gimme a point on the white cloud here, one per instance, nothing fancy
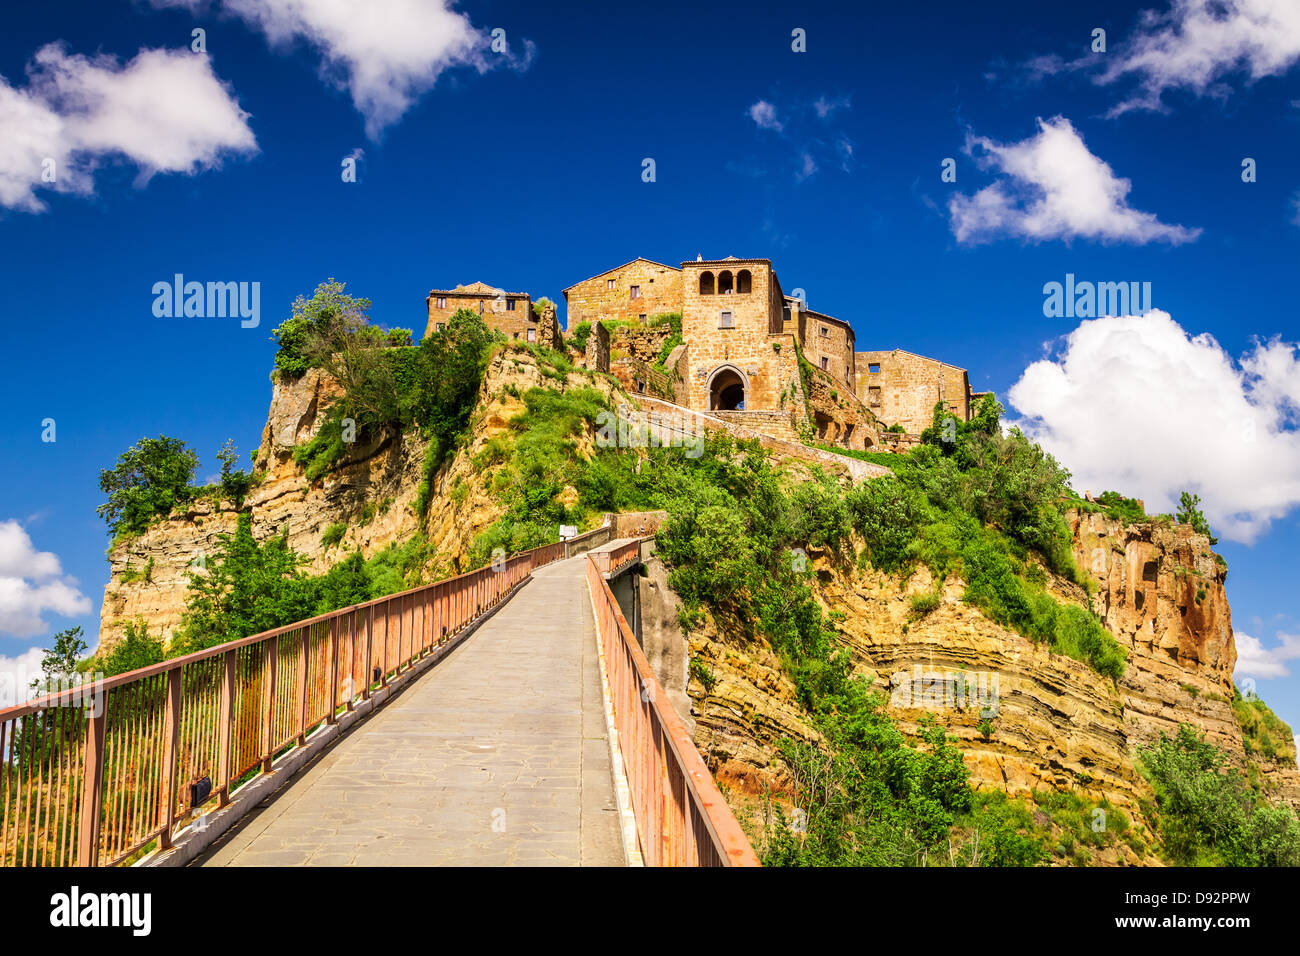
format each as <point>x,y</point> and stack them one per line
<point>763,114</point>
<point>1254,660</point>
<point>16,676</point>
<point>1197,44</point>
<point>385,53</point>
<point>1137,405</point>
<point>31,583</point>
<point>825,107</point>
<point>808,128</point>
<point>164,111</point>
<point>1052,187</point>
<point>807,166</point>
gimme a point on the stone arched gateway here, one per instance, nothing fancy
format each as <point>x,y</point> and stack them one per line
<point>728,389</point>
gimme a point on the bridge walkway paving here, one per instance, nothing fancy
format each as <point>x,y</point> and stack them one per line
<point>497,756</point>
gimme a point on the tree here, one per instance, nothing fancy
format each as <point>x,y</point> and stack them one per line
<point>326,317</point>
<point>235,483</point>
<point>59,663</point>
<point>136,649</point>
<point>1189,512</point>
<point>246,588</point>
<point>449,370</point>
<point>150,479</point>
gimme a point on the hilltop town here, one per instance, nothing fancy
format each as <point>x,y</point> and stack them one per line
<point>721,336</point>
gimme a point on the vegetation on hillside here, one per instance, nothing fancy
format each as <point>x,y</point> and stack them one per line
<point>1207,813</point>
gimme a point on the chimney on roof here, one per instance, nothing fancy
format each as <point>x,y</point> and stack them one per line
<point>699,257</point>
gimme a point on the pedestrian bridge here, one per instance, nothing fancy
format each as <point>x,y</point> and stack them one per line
<point>503,717</point>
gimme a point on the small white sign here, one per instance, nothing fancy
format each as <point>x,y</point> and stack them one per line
<point>568,531</point>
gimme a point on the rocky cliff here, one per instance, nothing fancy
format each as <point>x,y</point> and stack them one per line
<point>373,490</point>
<point>1025,718</point>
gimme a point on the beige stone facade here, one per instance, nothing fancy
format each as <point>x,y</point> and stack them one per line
<point>633,292</point>
<point>827,343</point>
<point>510,313</point>
<point>902,388</point>
<point>739,355</point>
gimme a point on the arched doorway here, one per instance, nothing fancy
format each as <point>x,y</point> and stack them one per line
<point>728,389</point>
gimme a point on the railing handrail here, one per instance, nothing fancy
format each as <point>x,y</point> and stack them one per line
<point>79,692</point>
<point>728,839</point>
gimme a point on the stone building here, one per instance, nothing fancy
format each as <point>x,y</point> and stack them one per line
<point>902,388</point>
<point>827,342</point>
<point>742,338</point>
<point>510,313</point>
<point>741,358</point>
<point>632,292</point>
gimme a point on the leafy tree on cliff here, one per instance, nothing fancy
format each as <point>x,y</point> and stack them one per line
<point>1189,512</point>
<point>150,479</point>
<point>449,370</point>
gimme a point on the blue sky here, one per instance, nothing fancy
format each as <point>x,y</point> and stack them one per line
<point>523,168</point>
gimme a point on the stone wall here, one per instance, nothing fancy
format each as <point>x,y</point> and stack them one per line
<point>609,295</point>
<point>598,349</point>
<point>548,327</point>
<point>907,386</point>
<point>641,343</point>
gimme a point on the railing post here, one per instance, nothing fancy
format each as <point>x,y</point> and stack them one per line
<point>171,757</point>
<point>226,719</point>
<point>352,659</point>
<point>270,661</point>
<point>365,668</point>
<point>388,642</point>
<point>91,784</point>
<point>303,648</point>
<point>332,710</point>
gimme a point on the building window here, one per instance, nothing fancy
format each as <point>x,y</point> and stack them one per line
<point>641,318</point>
<point>728,321</point>
<point>706,283</point>
<point>724,283</point>
<point>826,363</point>
<point>532,335</point>
<point>873,368</point>
<point>609,283</point>
<point>744,282</point>
<point>825,331</point>
<point>480,306</point>
<point>636,292</point>
<point>510,305</point>
<point>441,302</point>
<point>873,394</point>
<point>439,327</point>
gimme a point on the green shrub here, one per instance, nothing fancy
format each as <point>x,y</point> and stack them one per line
<point>151,478</point>
<point>333,534</point>
<point>1208,815</point>
<point>926,603</point>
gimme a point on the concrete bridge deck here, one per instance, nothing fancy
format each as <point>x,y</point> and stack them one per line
<point>499,755</point>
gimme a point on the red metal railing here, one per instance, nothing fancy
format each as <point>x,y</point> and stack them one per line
<point>681,817</point>
<point>94,775</point>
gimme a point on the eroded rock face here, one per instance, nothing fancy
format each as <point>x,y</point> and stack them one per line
<point>374,490</point>
<point>1056,723</point>
<point>1161,593</point>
